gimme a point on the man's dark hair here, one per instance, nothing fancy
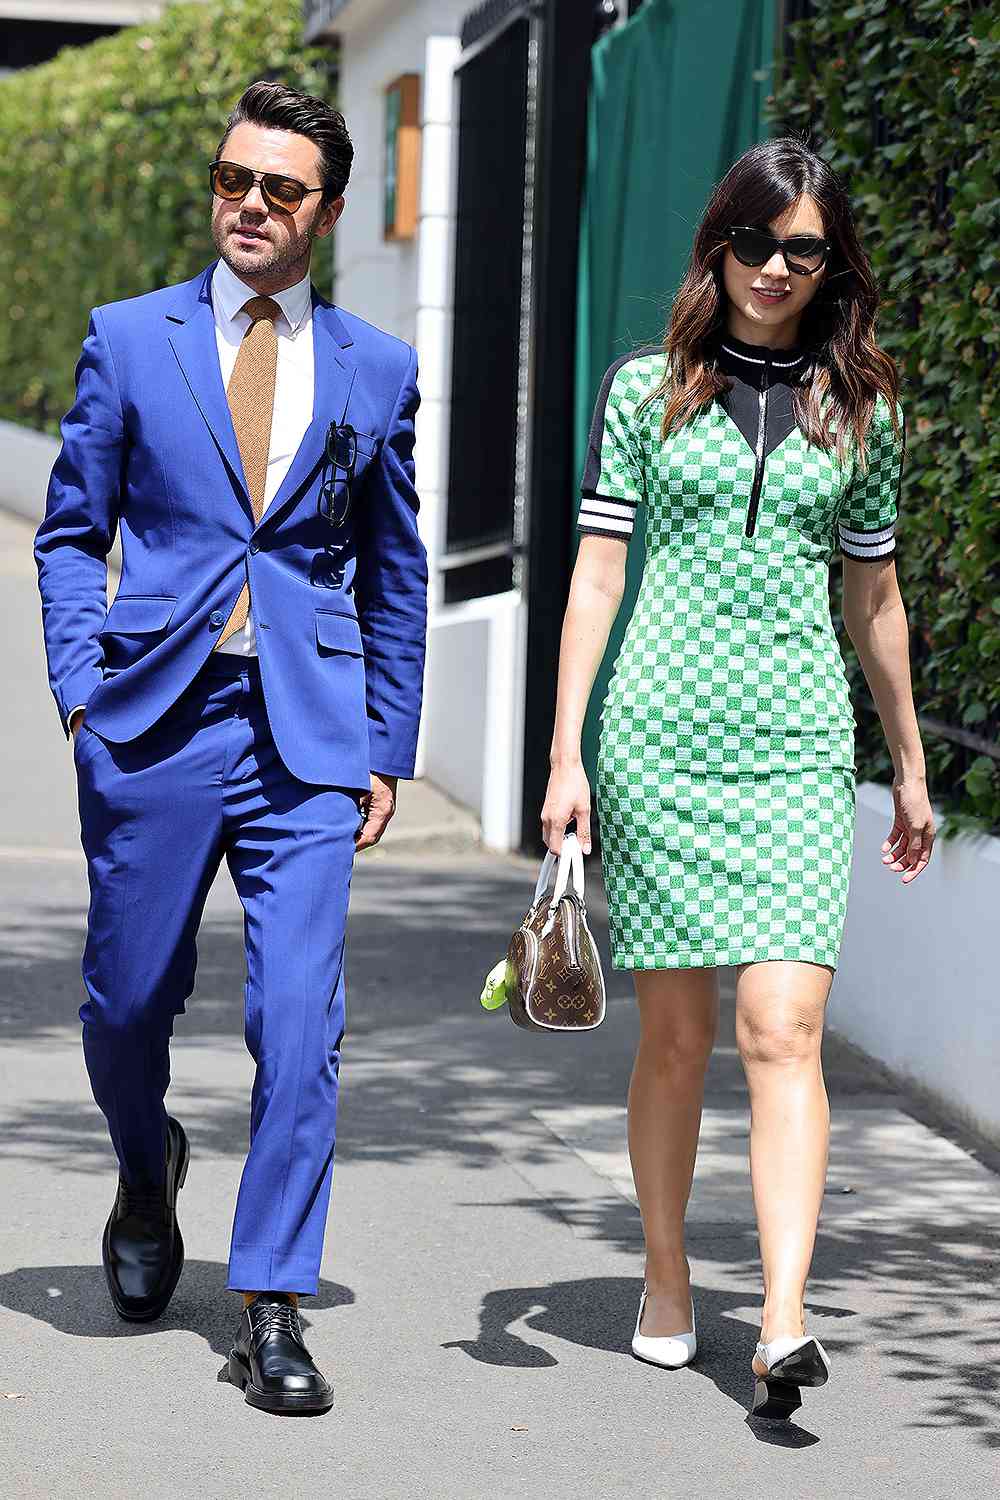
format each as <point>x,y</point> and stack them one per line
<point>280,108</point>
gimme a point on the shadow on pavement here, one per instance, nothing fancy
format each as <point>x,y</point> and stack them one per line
<point>913,1280</point>
<point>599,1313</point>
<point>74,1300</point>
<point>420,1082</point>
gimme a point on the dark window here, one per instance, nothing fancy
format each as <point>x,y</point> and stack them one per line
<point>488,269</point>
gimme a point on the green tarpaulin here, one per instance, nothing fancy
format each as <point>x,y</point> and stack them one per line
<point>676,96</point>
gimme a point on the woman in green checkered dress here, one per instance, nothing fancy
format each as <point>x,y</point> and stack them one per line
<point>762,439</point>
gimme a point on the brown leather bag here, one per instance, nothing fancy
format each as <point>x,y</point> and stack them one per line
<point>557,980</point>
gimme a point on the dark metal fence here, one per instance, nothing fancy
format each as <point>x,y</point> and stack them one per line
<point>489,273</point>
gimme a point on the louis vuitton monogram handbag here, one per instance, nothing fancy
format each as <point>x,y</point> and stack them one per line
<point>555,981</point>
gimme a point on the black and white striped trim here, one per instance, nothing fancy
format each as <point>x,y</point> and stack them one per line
<point>601,517</point>
<point>604,515</point>
<point>867,544</point>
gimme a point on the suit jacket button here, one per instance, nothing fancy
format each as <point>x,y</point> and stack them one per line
<point>216,619</point>
<point>255,546</point>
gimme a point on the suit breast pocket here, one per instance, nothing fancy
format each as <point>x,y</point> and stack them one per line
<point>134,625</point>
<point>342,476</point>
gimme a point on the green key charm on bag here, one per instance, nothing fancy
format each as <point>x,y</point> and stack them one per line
<point>495,989</point>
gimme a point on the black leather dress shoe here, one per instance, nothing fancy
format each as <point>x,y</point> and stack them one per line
<point>270,1361</point>
<point>142,1249</point>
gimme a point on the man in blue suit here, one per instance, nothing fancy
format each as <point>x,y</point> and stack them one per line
<point>253,692</point>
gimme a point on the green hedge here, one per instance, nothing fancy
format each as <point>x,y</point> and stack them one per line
<point>103,175</point>
<point>920,78</point>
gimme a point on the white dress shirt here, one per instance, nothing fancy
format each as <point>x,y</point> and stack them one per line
<point>293,389</point>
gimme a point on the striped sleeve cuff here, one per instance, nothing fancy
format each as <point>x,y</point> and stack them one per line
<point>867,544</point>
<point>600,517</point>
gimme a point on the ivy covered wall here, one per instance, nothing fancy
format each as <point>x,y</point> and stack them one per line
<point>902,98</point>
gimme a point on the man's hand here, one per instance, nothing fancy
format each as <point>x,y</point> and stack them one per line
<point>379,805</point>
<point>75,720</point>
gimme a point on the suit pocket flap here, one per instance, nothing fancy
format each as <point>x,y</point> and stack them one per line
<point>135,614</point>
<point>338,632</point>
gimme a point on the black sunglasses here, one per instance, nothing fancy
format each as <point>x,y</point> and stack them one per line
<point>231,181</point>
<point>803,253</point>
<point>341,453</point>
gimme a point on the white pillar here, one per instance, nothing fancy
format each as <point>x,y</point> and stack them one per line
<point>435,261</point>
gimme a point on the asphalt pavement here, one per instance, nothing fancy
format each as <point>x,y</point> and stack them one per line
<point>483,1258</point>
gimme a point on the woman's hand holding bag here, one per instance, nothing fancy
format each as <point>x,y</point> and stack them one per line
<point>554,980</point>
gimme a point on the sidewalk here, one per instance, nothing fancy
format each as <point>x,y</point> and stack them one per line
<point>483,1257</point>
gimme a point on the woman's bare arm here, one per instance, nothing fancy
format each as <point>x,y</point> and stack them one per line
<point>875,620</point>
<point>595,595</point>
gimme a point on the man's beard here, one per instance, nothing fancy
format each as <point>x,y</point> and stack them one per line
<point>276,264</point>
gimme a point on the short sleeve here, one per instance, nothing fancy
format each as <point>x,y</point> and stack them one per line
<point>866,525</point>
<point>613,483</point>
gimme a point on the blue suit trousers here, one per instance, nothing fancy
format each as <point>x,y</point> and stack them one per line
<point>157,814</point>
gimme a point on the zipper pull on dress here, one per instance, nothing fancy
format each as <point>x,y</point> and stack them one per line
<point>758,474</point>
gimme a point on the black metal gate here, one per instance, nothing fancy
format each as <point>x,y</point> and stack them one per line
<point>523,81</point>
<point>486,466</point>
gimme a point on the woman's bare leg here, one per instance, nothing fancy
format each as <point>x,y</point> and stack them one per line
<point>678,1011</point>
<point>780,1007</point>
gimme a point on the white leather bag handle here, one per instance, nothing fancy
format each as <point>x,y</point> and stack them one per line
<point>570,865</point>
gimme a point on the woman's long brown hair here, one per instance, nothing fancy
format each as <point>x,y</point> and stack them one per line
<point>837,396</point>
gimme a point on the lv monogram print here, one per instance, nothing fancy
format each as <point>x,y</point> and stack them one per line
<point>559,985</point>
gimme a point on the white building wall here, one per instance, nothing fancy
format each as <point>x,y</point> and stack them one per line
<point>78,12</point>
<point>471,741</point>
<point>379,40</point>
<point>918,984</point>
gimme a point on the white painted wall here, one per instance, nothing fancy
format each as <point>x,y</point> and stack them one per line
<point>918,984</point>
<point>472,729</point>
<point>379,40</point>
<point>475,732</point>
<point>26,457</point>
<point>93,12</point>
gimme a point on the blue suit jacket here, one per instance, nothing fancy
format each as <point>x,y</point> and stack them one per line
<point>149,448</point>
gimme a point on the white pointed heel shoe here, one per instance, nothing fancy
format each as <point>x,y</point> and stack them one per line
<point>672,1352</point>
<point>791,1363</point>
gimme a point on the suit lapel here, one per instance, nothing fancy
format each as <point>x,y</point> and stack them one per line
<point>194,344</point>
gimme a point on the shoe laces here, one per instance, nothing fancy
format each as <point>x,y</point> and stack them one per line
<point>283,1317</point>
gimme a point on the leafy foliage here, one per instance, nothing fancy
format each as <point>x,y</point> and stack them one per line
<point>104,191</point>
<point>901,97</point>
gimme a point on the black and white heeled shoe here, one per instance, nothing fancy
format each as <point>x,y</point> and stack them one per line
<point>791,1363</point>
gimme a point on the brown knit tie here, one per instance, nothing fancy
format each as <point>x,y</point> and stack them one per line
<point>250,394</point>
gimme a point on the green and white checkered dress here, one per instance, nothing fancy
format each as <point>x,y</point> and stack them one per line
<point>725,783</point>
